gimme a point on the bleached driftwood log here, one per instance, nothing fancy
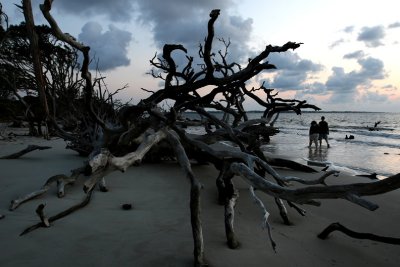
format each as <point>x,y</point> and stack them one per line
<point>61,181</point>
<point>195,189</point>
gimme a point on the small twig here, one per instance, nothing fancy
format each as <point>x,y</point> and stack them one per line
<point>40,213</point>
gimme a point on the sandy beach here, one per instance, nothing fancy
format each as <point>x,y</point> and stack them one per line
<point>156,232</point>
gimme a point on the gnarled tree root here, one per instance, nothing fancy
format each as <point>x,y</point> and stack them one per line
<point>338,227</point>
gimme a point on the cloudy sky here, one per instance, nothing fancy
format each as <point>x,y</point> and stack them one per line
<point>350,59</point>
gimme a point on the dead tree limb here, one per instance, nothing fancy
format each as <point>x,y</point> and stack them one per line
<point>26,150</point>
<point>265,224</point>
<point>228,195</point>
<point>151,138</point>
<point>62,214</point>
<point>339,227</point>
<point>60,179</point>
<point>307,195</point>
<point>230,204</point>
<point>17,202</point>
<point>195,189</point>
<point>282,210</point>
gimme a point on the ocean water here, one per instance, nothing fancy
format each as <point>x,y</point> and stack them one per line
<point>370,151</point>
<point>376,151</point>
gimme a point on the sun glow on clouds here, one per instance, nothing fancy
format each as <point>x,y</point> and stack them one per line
<point>349,54</point>
<point>365,32</point>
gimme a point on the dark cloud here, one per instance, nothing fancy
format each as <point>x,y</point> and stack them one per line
<point>176,21</point>
<point>179,21</point>
<point>120,10</point>
<point>394,25</point>
<point>372,36</point>
<point>374,97</point>
<point>372,68</point>
<point>109,47</point>
<point>292,71</point>
<point>345,84</point>
<point>289,80</point>
<point>342,81</point>
<point>316,88</point>
<point>238,30</point>
<point>292,61</point>
<point>187,25</point>
<point>310,91</point>
<point>357,55</point>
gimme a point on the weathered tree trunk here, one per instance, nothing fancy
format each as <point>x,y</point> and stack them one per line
<point>228,195</point>
<point>195,207</point>
<point>35,51</point>
<point>230,203</point>
<point>282,210</point>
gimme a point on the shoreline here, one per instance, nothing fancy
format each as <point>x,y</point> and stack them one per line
<point>156,232</point>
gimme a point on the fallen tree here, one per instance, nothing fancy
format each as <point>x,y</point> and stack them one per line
<point>146,132</point>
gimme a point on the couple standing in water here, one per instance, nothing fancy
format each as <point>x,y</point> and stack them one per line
<point>319,131</point>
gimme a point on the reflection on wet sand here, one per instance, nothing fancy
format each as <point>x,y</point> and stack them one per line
<point>319,154</point>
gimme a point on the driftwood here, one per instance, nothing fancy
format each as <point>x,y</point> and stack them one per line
<point>46,222</point>
<point>145,132</point>
<point>265,216</point>
<point>43,218</point>
<point>61,181</point>
<point>307,195</point>
<point>339,227</point>
<point>26,150</point>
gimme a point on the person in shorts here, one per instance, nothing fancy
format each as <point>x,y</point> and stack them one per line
<point>323,131</point>
<point>314,134</point>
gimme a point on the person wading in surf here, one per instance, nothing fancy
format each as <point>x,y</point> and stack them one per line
<point>323,131</point>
